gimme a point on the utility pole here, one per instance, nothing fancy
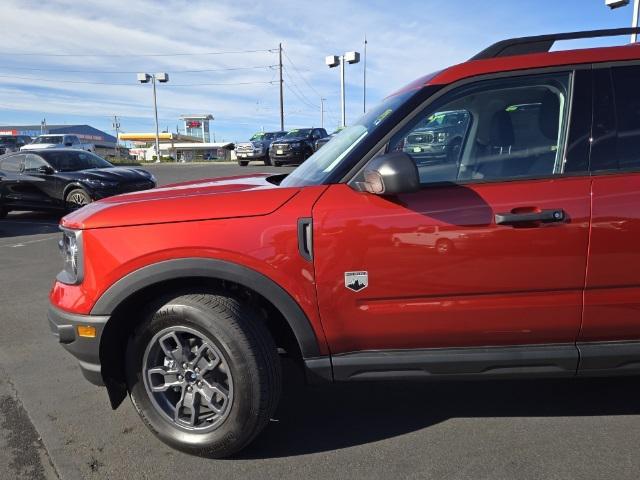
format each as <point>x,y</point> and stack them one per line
<point>116,127</point>
<point>322,112</point>
<point>281,85</point>
<point>364,77</point>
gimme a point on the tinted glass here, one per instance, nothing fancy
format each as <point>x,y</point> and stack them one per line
<point>12,164</point>
<point>8,141</point>
<point>492,130</point>
<point>616,143</point>
<point>49,139</point>
<point>301,132</point>
<point>327,160</point>
<point>33,163</point>
<point>70,161</point>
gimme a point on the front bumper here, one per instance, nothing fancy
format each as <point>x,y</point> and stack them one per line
<point>87,350</point>
<point>289,156</point>
<point>250,155</point>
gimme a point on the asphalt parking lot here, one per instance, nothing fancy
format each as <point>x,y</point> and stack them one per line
<point>54,424</point>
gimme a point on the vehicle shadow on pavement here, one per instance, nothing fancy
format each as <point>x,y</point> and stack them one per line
<point>20,224</point>
<point>320,419</point>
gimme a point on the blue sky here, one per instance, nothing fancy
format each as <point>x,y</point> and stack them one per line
<point>96,47</point>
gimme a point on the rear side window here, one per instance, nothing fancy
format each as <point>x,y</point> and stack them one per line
<point>491,131</point>
<point>12,164</point>
<point>616,144</point>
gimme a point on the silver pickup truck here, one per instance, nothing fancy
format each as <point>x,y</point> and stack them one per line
<point>58,141</point>
<point>257,148</point>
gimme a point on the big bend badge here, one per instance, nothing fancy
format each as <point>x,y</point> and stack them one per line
<point>356,281</point>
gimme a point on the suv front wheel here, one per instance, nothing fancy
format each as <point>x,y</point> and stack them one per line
<point>204,374</point>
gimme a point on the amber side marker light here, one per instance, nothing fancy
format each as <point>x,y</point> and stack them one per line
<point>86,331</point>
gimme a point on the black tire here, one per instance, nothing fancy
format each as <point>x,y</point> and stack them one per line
<point>277,163</point>
<point>250,356</point>
<point>76,198</point>
<point>243,163</point>
<point>267,160</point>
<point>3,212</point>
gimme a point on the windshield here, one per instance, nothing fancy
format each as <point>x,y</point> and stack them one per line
<point>319,166</point>
<point>70,161</point>
<point>257,136</point>
<point>299,132</point>
<point>48,139</point>
<point>8,140</point>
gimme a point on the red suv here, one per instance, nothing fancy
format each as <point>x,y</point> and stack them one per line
<point>516,256</point>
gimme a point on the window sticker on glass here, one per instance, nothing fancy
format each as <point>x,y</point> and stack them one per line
<point>382,116</point>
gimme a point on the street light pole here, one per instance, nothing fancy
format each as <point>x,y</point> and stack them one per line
<point>322,112</point>
<point>634,24</point>
<point>342,102</point>
<point>339,60</point>
<point>162,78</point>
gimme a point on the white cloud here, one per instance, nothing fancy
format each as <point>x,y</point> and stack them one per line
<point>406,39</point>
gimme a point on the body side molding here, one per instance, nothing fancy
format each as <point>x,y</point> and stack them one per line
<point>219,269</point>
<point>436,363</point>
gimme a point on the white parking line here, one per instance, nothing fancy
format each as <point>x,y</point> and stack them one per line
<point>28,242</point>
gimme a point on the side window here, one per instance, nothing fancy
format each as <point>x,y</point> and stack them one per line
<point>33,163</point>
<point>12,164</point>
<point>616,144</point>
<point>491,130</point>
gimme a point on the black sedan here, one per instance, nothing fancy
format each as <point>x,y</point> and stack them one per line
<point>63,179</point>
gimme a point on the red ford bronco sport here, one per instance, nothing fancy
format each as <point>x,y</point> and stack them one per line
<point>519,255</point>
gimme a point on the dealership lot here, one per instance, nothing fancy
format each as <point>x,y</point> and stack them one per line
<point>54,423</point>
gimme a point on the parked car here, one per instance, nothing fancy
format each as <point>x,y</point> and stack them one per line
<point>439,138</point>
<point>337,265</point>
<point>324,140</point>
<point>296,146</point>
<point>257,148</point>
<point>58,141</point>
<point>12,143</point>
<point>63,179</point>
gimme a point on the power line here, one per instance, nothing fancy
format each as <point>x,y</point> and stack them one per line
<point>301,96</point>
<point>33,54</point>
<point>136,71</point>
<point>300,75</point>
<point>199,84</point>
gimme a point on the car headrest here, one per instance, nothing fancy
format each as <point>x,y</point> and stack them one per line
<point>501,132</point>
<point>549,115</point>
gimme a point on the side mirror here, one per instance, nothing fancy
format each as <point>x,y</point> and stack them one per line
<point>68,144</point>
<point>45,170</point>
<point>391,174</point>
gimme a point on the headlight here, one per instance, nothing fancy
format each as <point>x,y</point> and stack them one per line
<point>71,251</point>
<point>100,183</point>
<point>442,137</point>
<point>296,145</point>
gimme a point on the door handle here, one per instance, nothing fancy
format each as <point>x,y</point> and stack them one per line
<point>305,238</point>
<point>541,216</point>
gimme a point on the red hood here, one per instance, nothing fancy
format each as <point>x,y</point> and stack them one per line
<point>230,197</point>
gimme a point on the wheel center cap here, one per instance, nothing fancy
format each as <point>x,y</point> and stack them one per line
<point>190,376</point>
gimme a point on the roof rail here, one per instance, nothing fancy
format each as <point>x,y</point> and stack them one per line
<point>543,43</point>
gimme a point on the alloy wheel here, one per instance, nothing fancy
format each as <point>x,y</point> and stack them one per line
<point>187,379</point>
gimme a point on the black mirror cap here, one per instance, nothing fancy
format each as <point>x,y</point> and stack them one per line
<point>391,174</point>
<point>46,170</point>
<point>68,144</point>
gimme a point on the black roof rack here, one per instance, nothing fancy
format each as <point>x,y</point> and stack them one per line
<point>543,43</point>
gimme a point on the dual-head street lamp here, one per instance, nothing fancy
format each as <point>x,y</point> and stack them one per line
<point>162,78</point>
<point>339,60</point>
<point>612,4</point>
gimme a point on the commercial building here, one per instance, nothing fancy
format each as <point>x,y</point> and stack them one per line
<point>105,144</point>
<point>181,148</point>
